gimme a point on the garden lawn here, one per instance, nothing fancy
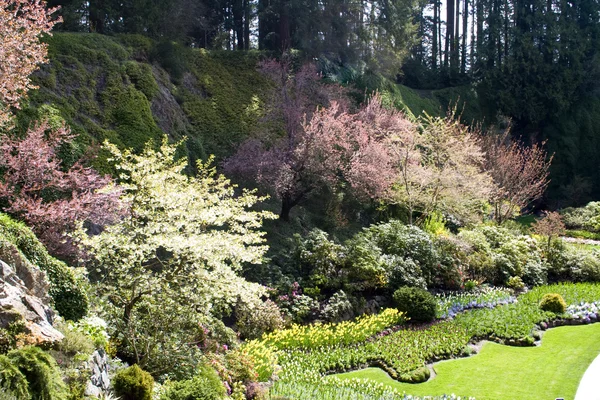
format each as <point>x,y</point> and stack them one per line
<point>549,371</point>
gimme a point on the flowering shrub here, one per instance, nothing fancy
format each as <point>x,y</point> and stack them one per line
<point>347,332</point>
<point>253,322</point>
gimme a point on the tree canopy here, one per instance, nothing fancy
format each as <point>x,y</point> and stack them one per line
<point>172,262</point>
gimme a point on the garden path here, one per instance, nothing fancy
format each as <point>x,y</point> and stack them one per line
<point>589,386</point>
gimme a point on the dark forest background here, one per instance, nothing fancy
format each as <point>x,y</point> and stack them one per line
<point>535,63</point>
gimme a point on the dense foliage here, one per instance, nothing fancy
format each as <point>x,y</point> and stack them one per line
<point>205,385</point>
<point>176,252</point>
<point>133,383</point>
<point>418,304</point>
<point>67,289</point>
<point>44,381</point>
<point>553,302</point>
<point>50,196</point>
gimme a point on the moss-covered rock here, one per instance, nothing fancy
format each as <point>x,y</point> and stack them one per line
<point>66,290</point>
<point>129,89</point>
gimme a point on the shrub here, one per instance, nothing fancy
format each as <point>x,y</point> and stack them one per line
<point>253,322</point>
<point>133,383</point>
<point>234,366</point>
<point>297,307</point>
<point>470,285</point>
<point>338,308</point>
<point>419,375</point>
<point>6,395</point>
<point>578,265</point>
<point>553,302</point>
<point>66,290</point>
<point>418,304</point>
<point>453,261</point>
<point>41,372</point>
<point>12,380</point>
<point>435,224</point>
<point>590,268</point>
<point>364,263</point>
<point>557,259</point>
<point>320,259</point>
<point>403,272</point>
<point>516,283</point>
<point>407,241</point>
<point>582,217</point>
<point>206,385</point>
<point>74,341</point>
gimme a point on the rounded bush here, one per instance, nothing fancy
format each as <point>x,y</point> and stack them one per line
<point>12,380</point>
<point>253,322</point>
<point>41,372</point>
<point>419,375</point>
<point>133,383</point>
<point>553,302</point>
<point>418,304</point>
<point>206,385</point>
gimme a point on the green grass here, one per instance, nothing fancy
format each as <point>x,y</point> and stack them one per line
<point>526,220</point>
<point>581,234</point>
<point>549,371</point>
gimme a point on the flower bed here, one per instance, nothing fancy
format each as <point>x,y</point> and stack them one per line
<point>404,352</point>
<point>449,305</point>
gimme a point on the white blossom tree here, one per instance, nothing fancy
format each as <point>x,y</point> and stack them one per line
<point>172,261</point>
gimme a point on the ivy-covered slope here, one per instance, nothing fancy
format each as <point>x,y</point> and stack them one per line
<point>129,89</point>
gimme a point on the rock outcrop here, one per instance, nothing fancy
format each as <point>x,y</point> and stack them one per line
<point>24,295</point>
<point>99,381</point>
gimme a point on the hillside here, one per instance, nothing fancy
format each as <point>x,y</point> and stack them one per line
<point>129,89</point>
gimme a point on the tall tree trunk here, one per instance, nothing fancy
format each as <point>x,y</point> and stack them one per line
<point>506,28</point>
<point>238,24</point>
<point>288,202</point>
<point>479,34</point>
<point>463,59</point>
<point>440,49</point>
<point>247,16</point>
<point>434,42</point>
<point>455,54</point>
<point>449,47</point>
<point>472,50</point>
<point>284,26</point>
<point>96,15</point>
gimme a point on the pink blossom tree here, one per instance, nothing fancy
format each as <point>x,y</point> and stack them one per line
<point>50,198</point>
<point>330,147</point>
<point>21,24</point>
<point>441,169</point>
<point>521,173</point>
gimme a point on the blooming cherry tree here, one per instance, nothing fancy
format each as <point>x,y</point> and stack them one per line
<point>21,24</point>
<point>50,198</point>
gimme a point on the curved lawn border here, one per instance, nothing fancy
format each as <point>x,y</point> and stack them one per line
<point>549,371</point>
